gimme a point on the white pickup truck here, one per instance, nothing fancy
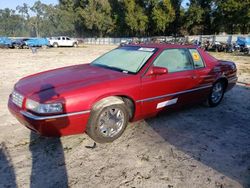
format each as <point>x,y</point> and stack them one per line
<point>62,41</point>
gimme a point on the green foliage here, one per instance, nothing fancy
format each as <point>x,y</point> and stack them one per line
<point>10,23</point>
<point>193,19</point>
<point>96,16</point>
<point>101,18</point>
<point>162,15</point>
<point>135,17</point>
<point>175,26</point>
<point>235,15</point>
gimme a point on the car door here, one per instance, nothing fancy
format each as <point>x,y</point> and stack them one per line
<point>63,41</point>
<point>203,76</point>
<point>69,41</point>
<point>166,90</point>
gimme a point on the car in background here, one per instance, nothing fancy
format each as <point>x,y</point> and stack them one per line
<point>20,43</point>
<point>244,44</point>
<point>218,46</point>
<point>129,83</point>
<point>5,42</point>
<point>36,42</point>
<point>62,41</point>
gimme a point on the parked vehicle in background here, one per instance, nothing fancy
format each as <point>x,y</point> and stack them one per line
<point>36,42</point>
<point>125,42</point>
<point>218,47</point>
<point>62,41</point>
<point>5,42</point>
<point>126,84</point>
<point>20,43</point>
<point>244,44</point>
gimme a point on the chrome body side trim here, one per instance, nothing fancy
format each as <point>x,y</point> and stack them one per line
<point>35,117</point>
<point>173,94</point>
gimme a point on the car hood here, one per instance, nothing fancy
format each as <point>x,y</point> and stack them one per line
<point>64,79</point>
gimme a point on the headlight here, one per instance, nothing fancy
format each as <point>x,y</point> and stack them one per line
<point>44,108</point>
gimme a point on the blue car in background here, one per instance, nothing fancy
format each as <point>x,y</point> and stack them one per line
<point>20,43</point>
<point>244,44</point>
<point>5,42</point>
<point>36,42</point>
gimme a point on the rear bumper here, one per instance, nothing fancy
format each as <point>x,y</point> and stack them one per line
<point>55,125</point>
<point>231,82</point>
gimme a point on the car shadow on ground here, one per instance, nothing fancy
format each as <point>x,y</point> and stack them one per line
<point>7,172</point>
<point>48,162</point>
<point>218,140</point>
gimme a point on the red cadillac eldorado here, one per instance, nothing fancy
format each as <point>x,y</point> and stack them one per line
<point>126,84</point>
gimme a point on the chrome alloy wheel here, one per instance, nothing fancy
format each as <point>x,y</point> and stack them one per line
<point>111,121</point>
<point>217,92</point>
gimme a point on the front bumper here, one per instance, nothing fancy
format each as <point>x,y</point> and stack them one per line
<point>54,125</point>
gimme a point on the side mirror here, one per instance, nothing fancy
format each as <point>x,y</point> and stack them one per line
<point>157,71</point>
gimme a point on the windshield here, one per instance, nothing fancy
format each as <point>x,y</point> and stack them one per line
<point>127,59</point>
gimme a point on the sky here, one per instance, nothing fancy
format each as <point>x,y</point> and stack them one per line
<point>12,4</point>
<point>184,3</point>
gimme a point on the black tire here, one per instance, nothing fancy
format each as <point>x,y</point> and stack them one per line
<point>25,47</point>
<point>16,46</point>
<point>93,128</point>
<point>212,101</point>
<point>55,45</point>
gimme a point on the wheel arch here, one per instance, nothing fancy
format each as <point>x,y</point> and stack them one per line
<point>116,99</point>
<point>55,43</point>
<point>224,80</point>
<point>130,103</point>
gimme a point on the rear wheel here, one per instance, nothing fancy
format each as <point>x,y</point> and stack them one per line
<point>75,45</point>
<point>108,123</point>
<point>216,94</point>
<point>25,46</point>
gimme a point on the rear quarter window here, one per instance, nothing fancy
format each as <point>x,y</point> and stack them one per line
<point>197,59</point>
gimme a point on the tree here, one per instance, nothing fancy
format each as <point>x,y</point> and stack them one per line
<point>118,16</point>
<point>194,18</point>
<point>126,18</point>
<point>36,21</point>
<point>67,18</point>
<point>135,18</point>
<point>96,16</point>
<point>24,11</point>
<point>233,15</point>
<point>10,23</point>
<point>176,24</point>
<point>162,15</point>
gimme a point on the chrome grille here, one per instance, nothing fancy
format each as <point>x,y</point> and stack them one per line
<point>17,99</point>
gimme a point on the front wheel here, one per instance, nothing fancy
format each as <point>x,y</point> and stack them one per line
<point>216,94</point>
<point>108,123</point>
<point>55,45</point>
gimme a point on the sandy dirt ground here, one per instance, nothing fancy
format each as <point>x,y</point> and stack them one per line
<point>194,147</point>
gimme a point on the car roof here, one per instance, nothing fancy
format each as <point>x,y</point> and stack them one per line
<point>162,46</point>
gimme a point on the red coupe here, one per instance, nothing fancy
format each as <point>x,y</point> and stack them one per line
<point>126,84</point>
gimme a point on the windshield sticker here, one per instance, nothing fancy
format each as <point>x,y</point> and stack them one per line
<point>196,56</point>
<point>146,49</point>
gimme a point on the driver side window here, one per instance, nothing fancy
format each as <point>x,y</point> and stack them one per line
<point>175,60</point>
